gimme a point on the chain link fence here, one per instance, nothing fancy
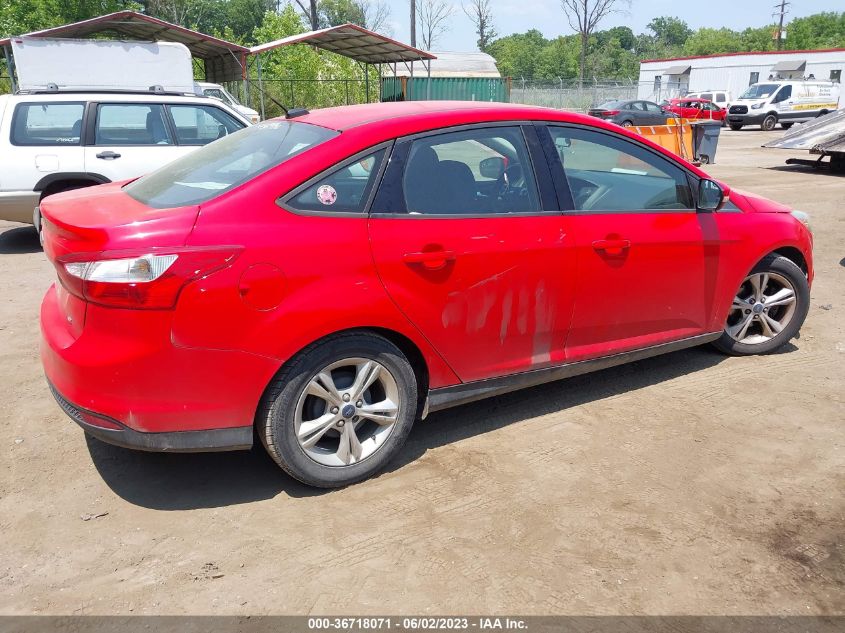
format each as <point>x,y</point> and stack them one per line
<point>572,95</point>
<point>306,93</point>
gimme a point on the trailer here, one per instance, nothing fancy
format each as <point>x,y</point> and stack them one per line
<point>824,136</point>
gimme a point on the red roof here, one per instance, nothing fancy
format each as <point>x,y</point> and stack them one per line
<point>676,59</point>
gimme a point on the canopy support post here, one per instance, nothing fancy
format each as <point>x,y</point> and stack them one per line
<point>260,84</point>
<point>367,79</point>
<point>10,69</point>
<point>428,83</point>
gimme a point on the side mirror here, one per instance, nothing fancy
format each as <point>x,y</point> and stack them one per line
<point>711,195</point>
<point>492,168</point>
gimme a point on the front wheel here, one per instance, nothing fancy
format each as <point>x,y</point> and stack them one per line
<point>786,126</point>
<point>736,127</point>
<point>340,411</point>
<point>768,310</point>
<point>769,122</point>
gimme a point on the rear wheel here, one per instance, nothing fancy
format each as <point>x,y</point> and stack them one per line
<point>769,122</point>
<point>735,126</point>
<point>627,124</point>
<point>768,309</point>
<point>340,411</point>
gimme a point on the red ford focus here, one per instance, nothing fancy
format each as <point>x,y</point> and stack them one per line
<point>323,281</point>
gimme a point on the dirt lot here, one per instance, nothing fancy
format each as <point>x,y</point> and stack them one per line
<point>687,484</point>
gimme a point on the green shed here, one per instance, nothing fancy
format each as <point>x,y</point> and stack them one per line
<point>454,77</point>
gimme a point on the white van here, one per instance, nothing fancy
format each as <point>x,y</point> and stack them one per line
<point>786,102</point>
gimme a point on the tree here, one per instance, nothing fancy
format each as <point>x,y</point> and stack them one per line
<point>433,21</point>
<point>822,30</point>
<point>584,16</point>
<point>706,41</point>
<point>518,55</point>
<point>670,31</point>
<point>481,14</point>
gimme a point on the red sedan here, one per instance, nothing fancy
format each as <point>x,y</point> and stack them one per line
<point>323,281</point>
<point>696,109</point>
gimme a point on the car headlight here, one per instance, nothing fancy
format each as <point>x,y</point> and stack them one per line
<point>255,118</point>
<point>803,218</point>
<point>756,106</point>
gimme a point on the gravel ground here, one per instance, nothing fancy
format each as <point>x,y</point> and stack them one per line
<point>686,484</point>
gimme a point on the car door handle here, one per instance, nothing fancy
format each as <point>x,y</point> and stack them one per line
<point>430,259</point>
<point>108,155</point>
<point>608,245</point>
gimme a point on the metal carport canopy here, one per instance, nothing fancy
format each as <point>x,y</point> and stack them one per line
<point>224,61</point>
<point>353,41</point>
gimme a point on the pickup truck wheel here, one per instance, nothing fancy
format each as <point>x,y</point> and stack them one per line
<point>769,122</point>
<point>786,126</point>
<point>736,127</point>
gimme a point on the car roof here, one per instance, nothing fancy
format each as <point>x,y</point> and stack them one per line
<point>347,117</point>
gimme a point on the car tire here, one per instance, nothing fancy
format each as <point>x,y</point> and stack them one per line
<point>736,127</point>
<point>769,123</point>
<point>339,457</point>
<point>777,274</point>
<point>704,159</point>
<point>786,126</point>
<point>627,124</point>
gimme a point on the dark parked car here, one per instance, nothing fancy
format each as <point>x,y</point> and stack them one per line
<point>629,113</point>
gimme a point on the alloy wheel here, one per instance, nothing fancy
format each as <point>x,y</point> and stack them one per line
<point>347,411</point>
<point>761,309</point>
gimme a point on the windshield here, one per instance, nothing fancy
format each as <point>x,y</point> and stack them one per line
<point>759,91</point>
<point>225,164</point>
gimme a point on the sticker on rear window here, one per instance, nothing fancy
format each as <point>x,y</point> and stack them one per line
<point>327,195</point>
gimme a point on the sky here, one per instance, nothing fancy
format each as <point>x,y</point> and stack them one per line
<point>517,16</point>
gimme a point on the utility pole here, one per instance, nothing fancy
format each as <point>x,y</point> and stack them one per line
<point>782,12</point>
<point>414,23</point>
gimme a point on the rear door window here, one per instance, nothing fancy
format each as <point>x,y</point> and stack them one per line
<point>200,124</point>
<point>131,124</point>
<point>47,124</point>
<point>480,171</point>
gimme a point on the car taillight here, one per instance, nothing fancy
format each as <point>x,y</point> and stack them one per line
<point>145,281</point>
<point>610,113</point>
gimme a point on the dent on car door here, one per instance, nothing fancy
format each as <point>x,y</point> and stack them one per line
<point>646,259</point>
<point>468,242</point>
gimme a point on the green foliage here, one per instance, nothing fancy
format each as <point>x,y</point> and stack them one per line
<point>670,31</point>
<point>822,30</point>
<point>706,41</point>
<point>291,73</point>
<point>335,12</point>
<point>615,53</point>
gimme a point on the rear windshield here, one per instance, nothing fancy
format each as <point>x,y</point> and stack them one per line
<point>610,105</point>
<point>759,91</point>
<point>223,165</point>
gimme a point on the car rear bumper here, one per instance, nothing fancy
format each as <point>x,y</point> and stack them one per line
<point>142,389</point>
<point>113,432</point>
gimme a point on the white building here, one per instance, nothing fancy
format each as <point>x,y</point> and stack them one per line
<point>667,78</point>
